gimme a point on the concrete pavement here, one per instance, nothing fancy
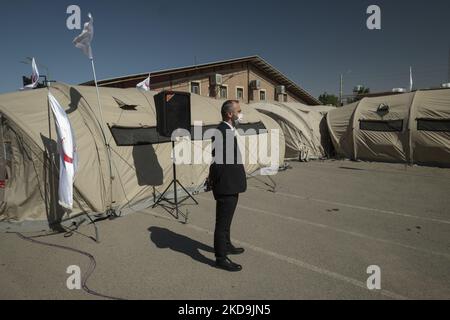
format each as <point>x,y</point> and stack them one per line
<point>312,239</point>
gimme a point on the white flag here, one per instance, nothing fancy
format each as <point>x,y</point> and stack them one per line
<point>34,76</point>
<point>68,154</point>
<point>144,85</point>
<point>83,41</point>
<point>410,79</point>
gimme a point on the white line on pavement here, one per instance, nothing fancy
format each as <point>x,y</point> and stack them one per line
<point>323,226</point>
<point>298,263</point>
<point>289,195</point>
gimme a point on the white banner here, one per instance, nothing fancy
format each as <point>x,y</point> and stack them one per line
<point>34,76</point>
<point>144,85</point>
<point>68,154</point>
<point>83,41</point>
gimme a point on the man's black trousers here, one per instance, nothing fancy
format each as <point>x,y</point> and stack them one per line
<point>225,208</point>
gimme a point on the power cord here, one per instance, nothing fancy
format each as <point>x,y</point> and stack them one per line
<point>88,274</point>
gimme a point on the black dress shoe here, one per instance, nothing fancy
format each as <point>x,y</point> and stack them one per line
<point>235,251</point>
<point>228,265</point>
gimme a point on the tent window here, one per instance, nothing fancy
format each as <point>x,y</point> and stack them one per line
<point>381,125</point>
<point>433,125</point>
<point>248,129</point>
<point>136,136</point>
<point>127,137</point>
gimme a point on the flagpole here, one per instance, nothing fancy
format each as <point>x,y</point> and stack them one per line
<point>411,81</point>
<point>108,147</point>
<point>98,94</point>
<point>83,41</point>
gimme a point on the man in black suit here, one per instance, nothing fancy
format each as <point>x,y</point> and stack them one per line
<point>227,179</point>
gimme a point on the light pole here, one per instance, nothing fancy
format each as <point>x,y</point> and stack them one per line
<point>341,87</point>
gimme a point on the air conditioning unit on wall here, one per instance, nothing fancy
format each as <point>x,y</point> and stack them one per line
<point>255,84</point>
<point>216,79</point>
<point>280,90</point>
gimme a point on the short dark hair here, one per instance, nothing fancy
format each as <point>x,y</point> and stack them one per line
<point>228,107</point>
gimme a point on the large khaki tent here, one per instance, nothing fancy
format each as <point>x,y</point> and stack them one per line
<point>407,128</point>
<point>304,128</point>
<point>323,110</point>
<point>138,172</point>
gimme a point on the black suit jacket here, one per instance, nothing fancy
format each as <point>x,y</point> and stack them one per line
<point>226,178</point>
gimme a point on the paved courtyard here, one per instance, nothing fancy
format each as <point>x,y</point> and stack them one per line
<point>314,238</point>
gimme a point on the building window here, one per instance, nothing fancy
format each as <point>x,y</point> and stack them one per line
<point>223,92</point>
<point>195,87</point>
<point>282,97</point>
<point>262,95</point>
<point>239,93</point>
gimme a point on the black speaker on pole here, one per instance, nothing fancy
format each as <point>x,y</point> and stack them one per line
<point>173,111</point>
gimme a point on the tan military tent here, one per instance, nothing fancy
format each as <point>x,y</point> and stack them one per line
<point>139,171</point>
<point>406,128</point>
<point>303,126</point>
<point>323,110</point>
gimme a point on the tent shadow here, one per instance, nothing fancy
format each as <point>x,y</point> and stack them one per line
<point>166,239</point>
<point>325,137</point>
<point>148,170</point>
<point>75,98</point>
<point>55,212</point>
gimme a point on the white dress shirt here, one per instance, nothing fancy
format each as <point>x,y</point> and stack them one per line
<point>231,127</point>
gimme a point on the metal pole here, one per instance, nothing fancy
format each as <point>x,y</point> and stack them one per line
<point>98,94</point>
<point>341,90</point>
<point>248,84</point>
<point>175,181</point>
<point>108,148</point>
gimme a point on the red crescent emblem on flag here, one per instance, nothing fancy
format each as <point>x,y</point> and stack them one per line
<point>67,159</point>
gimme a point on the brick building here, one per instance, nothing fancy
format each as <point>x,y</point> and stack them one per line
<point>249,79</point>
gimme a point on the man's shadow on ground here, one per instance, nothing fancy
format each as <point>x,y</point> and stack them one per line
<point>166,239</point>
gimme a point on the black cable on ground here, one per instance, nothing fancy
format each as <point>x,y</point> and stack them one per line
<point>91,268</point>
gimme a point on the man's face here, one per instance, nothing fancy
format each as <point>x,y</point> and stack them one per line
<point>234,116</point>
<point>237,110</point>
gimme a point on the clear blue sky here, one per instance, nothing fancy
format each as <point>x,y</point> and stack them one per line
<point>312,42</point>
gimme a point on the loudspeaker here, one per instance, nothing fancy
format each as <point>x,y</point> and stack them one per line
<point>173,112</point>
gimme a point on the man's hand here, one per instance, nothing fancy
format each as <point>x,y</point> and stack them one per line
<point>208,185</point>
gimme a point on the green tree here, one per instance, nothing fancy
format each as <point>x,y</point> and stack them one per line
<point>359,93</point>
<point>361,90</point>
<point>329,99</point>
